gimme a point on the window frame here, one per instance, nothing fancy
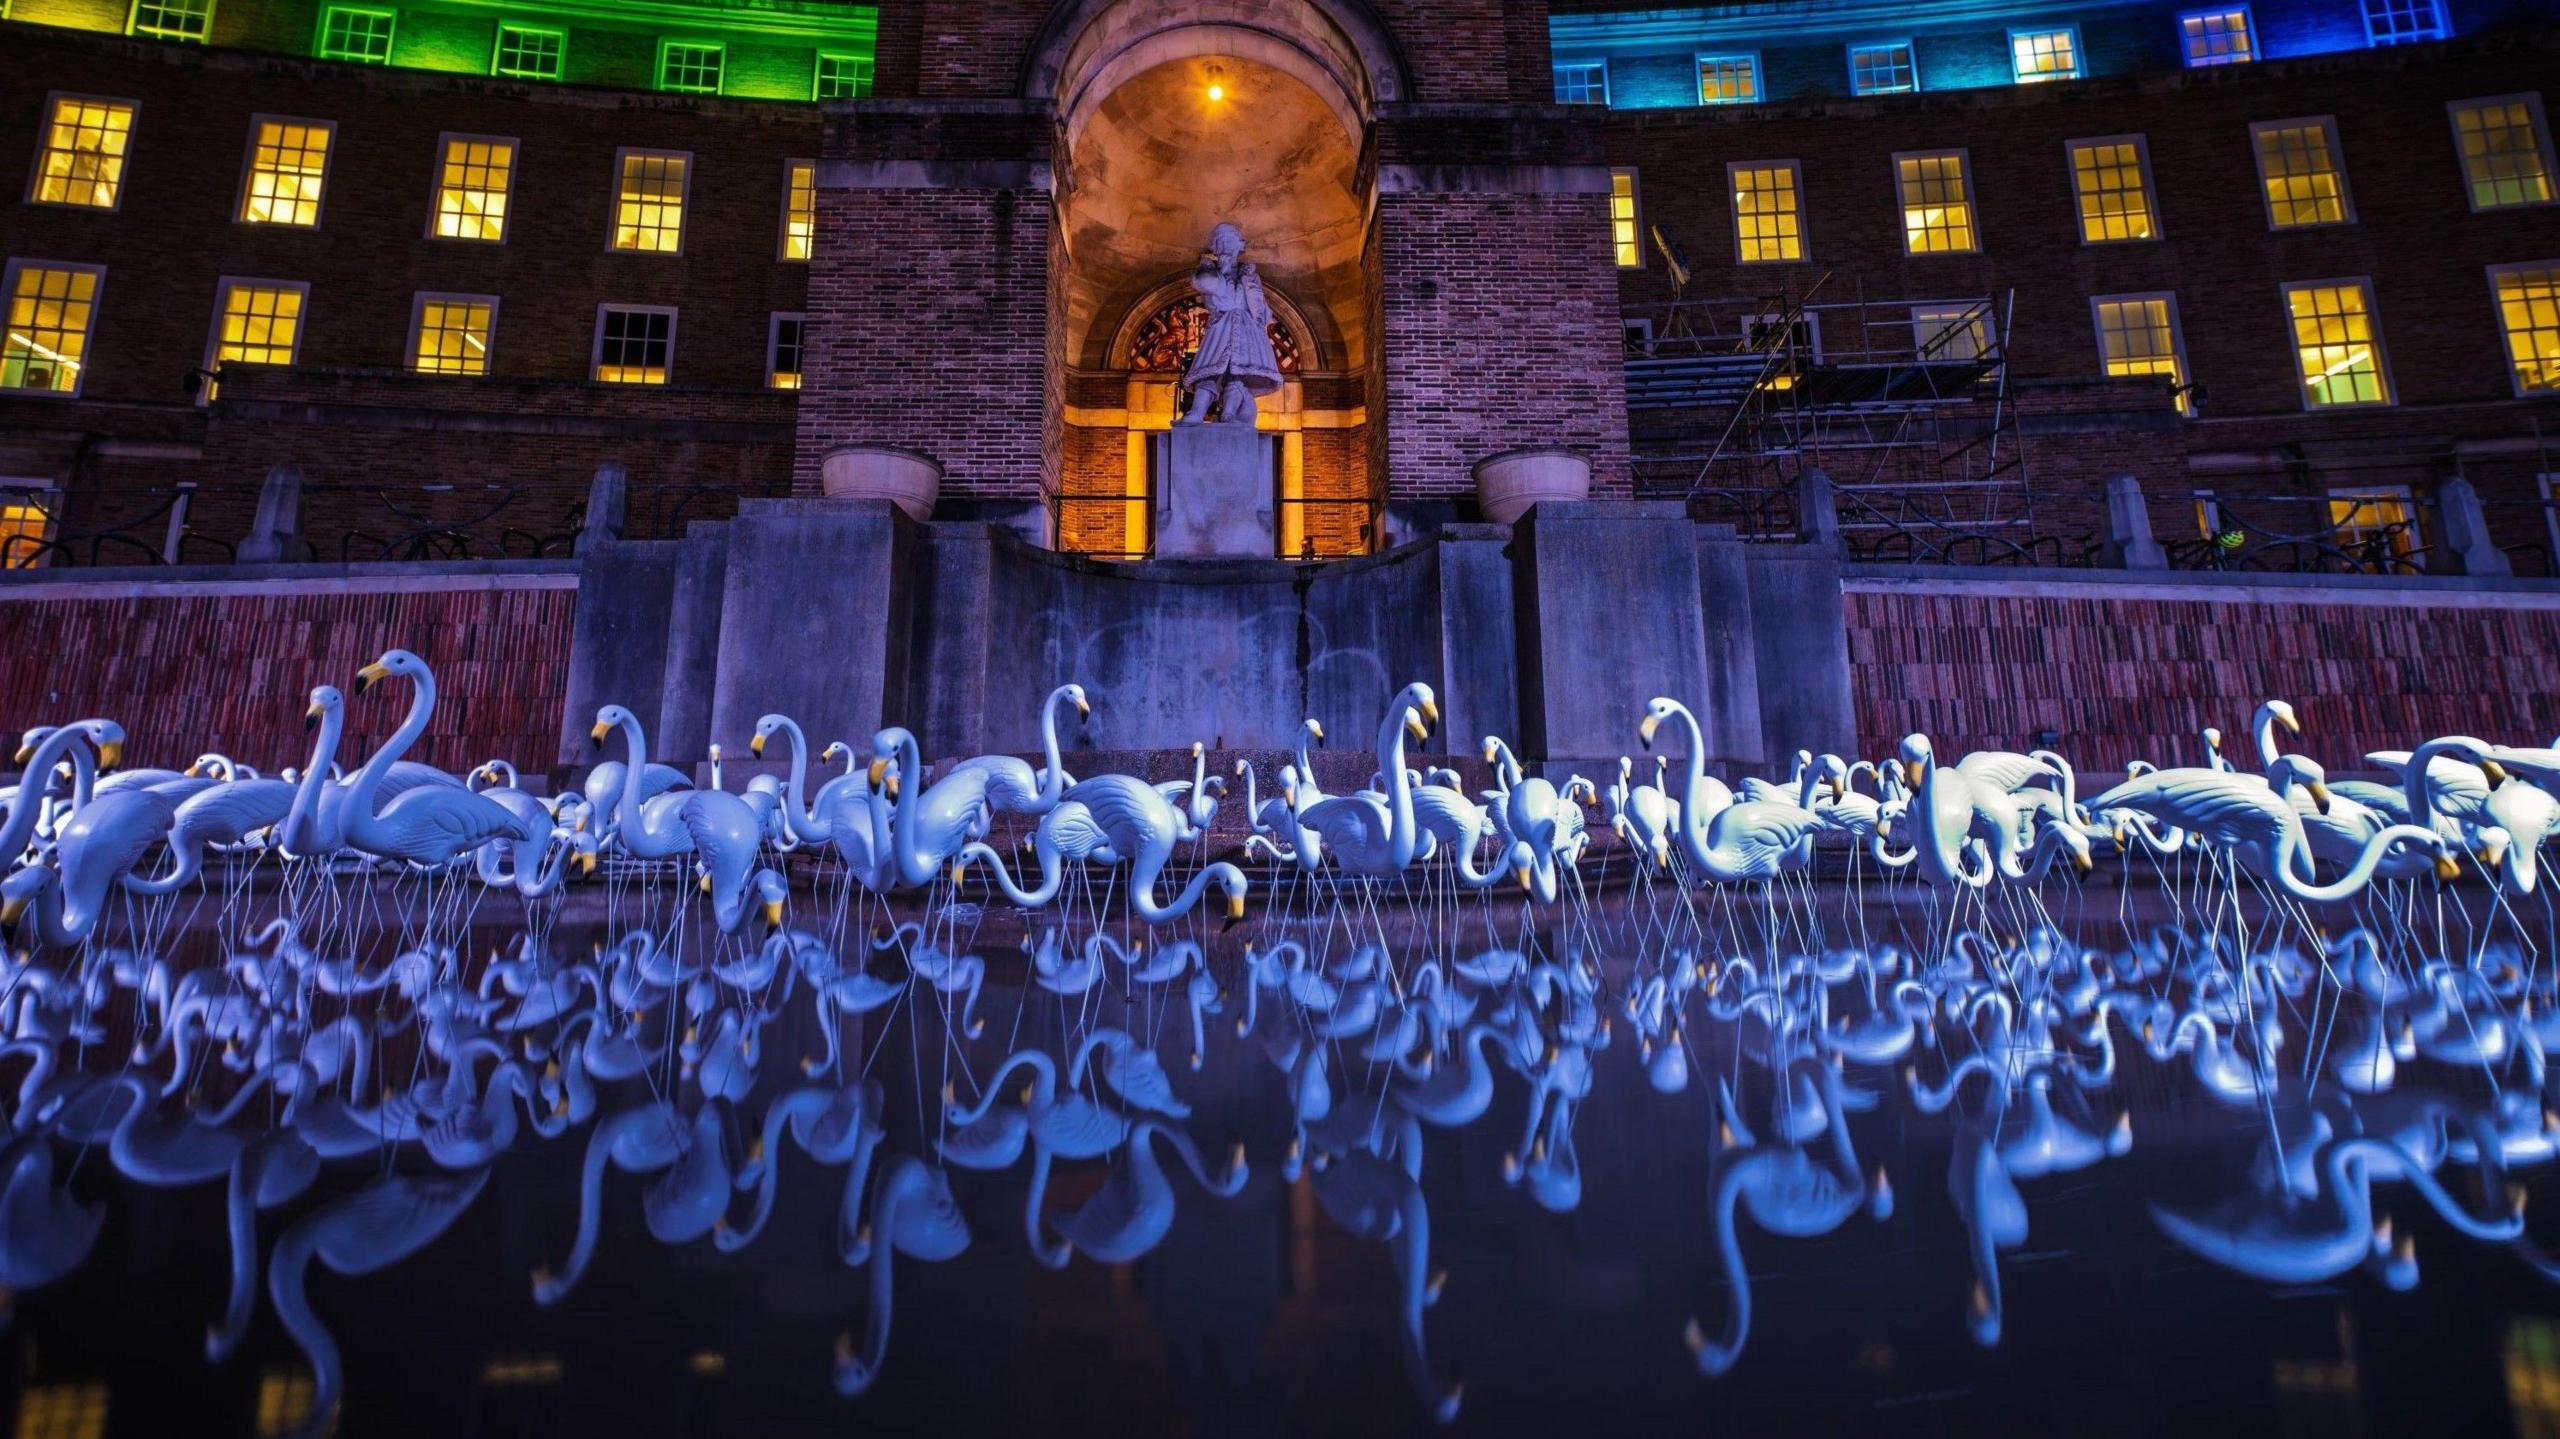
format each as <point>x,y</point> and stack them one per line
<point>2079,55</point>
<point>1698,61</point>
<point>9,272</point>
<point>2532,101</point>
<point>684,203</point>
<point>2248,25</point>
<point>2150,191</point>
<point>44,146</point>
<point>2337,161</point>
<point>222,288</point>
<point>1949,318</point>
<point>668,43</point>
<point>417,320</point>
<point>2373,326</point>
<point>249,163</point>
<point>1972,200</point>
<point>2507,340</point>
<point>1911,54</point>
<point>435,186</point>
<point>782,237</point>
<point>595,349</point>
<point>133,25</point>
<point>817,72</point>
<point>2183,379</point>
<point>2443,27</point>
<point>2548,484</point>
<point>498,43</point>
<point>1601,65</point>
<point>1635,217</point>
<point>320,33</point>
<point>772,348</point>
<point>1733,209</point>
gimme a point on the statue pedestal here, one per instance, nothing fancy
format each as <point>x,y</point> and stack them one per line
<point>1214,485</point>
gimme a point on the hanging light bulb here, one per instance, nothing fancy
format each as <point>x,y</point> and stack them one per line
<point>1217,82</point>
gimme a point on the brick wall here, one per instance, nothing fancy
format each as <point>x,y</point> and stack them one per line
<point>1499,330</point>
<point>2131,672</point>
<point>186,669</point>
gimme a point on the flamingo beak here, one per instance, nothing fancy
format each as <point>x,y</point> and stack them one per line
<point>1912,773</point>
<point>1317,730</point>
<point>371,675</point>
<point>1489,751</point>
<point>2494,771</point>
<point>773,914</point>
<point>2446,869</point>
<point>2291,725</point>
<point>879,768</point>
<point>756,746</point>
<point>1646,730</point>
<point>2320,796</point>
<point>1523,873</point>
<point>2492,854</point>
<point>1413,726</point>
<point>2080,861</point>
<point>1235,906</point>
<point>15,906</point>
<point>1430,711</point>
<point>598,733</point>
<point>1084,709</point>
<point>891,787</point>
<point>311,718</point>
<point>110,754</point>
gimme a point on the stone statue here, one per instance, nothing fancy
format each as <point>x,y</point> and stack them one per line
<point>1235,362</point>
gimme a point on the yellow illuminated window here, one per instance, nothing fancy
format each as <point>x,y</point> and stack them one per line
<point>2217,37</point>
<point>2298,167</point>
<point>525,53</point>
<point>62,1411</point>
<point>363,36</point>
<point>2114,186</point>
<point>2529,311</point>
<point>173,19</point>
<point>635,345</point>
<point>648,212</point>
<point>1937,204</point>
<point>82,162</point>
<point>453,334</point>
<point>1884,68</point>
<point>24,526</point>
<point>284,1402</point>
<point>1623,235</point>
<point>1728,79</point>
<point>2044,54</point>
<point>843,77</point>
<point>2377,523</point>
<point>1950,334</point>
<point>51,308</point>
<point>2506,154</point>
<point>799,208</point>
<point>2138,336</point>
<point>257,322</point>
<point>473,180</point>
<point>689,69</point>
<point>782,359</point>
<point>288,161</point>
<point>1768,211</point>
<point>2335,344</point>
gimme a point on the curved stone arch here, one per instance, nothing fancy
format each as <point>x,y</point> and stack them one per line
<point>1322,349</point>
<point>1337,48</point>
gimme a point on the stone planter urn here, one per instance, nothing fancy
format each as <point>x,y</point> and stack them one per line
<point>1507,484</point>
<point>882,472</point>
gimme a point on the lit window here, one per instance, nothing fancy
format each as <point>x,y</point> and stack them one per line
<point>2376,523</point>
<point>1728,79</point>
<point>172,19</point>
<point>2217,37</point>
<point>843,77</point>
<point>799,208</point>
<point>363,36</point>
<point>2113,179</point>
<point>1768,210</point>
<point>82,159</point>
<point>452,334</point>
<point>474,177</point>
<point>52,307</point>
<point>288,161</point>
<point>689,69</point>
<point>1623,235</point>
<point>635,344</point>
<point>25,523</point>
<point>2548,487</point>
<point>2335,343</point>
<point>2403,22</point>
<point>783,351</point>
<point>2045,54</point>
<point>1950,334</point>
<point>1884,68</point>
<point>2298,168</point>
<point>1937,204</point>
<point>284,1402</point>
<point>2138,337</point>
<point>1582,82</point>
<point>2506,150</point>
<point>2528,299</point>
<point>62,1411</point>
<point>525,53</point>
<point>648,211</point>
<point>255,322</point>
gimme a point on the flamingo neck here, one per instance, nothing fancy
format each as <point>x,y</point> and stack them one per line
<point>422,703</point>
<point>306,796</point>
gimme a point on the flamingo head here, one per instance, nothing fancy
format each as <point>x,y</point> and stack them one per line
<point>609,719</point>
<point>393,662</point>
<point>325,701</point>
